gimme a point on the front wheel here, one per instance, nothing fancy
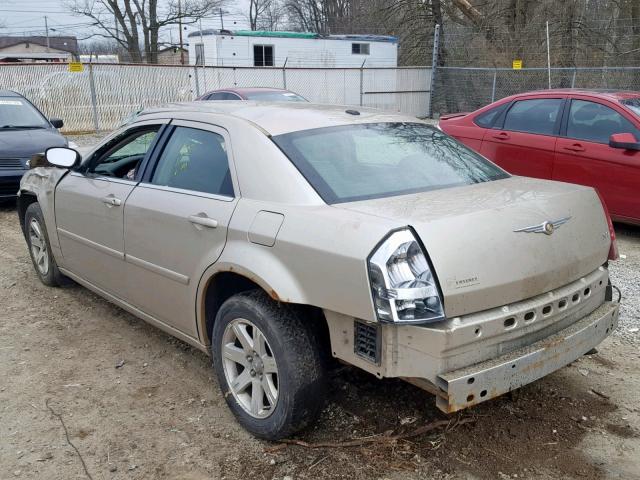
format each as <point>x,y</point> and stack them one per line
<point>267,359</point>
<point>40,249</point>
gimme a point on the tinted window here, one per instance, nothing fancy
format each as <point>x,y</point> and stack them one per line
<point>223,96</point>
<point>15,112</point>
<point>487,118</point>
<point>534,116</point>
<point>595,122</point>
<point>194,160</point>
<point>356,162</point>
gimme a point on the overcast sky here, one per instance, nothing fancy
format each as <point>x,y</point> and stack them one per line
<point>18,17</point>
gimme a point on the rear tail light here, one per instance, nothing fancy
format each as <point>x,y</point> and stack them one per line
<point>613,249</point>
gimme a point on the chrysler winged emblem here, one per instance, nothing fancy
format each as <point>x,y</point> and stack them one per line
<point>547,227</point>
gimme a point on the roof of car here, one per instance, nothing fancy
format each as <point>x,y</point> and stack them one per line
<point>603,93</point>
<point>250,90</point>
<point>9,93</point>
<point>286,117</point>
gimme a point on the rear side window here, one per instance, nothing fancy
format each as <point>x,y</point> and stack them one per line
<point>487,119</point>
<point>595,122</point>
<point>534,116</point>
<point>195,160</point>
<point>223,96</point>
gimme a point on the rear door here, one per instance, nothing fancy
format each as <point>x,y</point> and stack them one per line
<point>523,140</point>
<point>176,220</point>
<point>89,207</point>
<point>583,154</point>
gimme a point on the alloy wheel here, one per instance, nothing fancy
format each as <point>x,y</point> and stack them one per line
<point>250,368</point>
<point>38,247</point>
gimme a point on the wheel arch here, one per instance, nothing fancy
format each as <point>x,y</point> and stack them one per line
<point>223,280</point>
<point>26,198</point>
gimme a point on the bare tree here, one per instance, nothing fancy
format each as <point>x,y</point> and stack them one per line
<point>263,14</point>
<point>136,24</point>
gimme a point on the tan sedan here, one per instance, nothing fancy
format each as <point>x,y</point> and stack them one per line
<point>276,236</point>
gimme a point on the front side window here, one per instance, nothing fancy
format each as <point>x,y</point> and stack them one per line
<point>534,116</point>
<point>359,162</point>
<point>263,55</point>
<point>595,122</point>
<point>122,157</point>
<point>195,160</point>
<point>16,113</point>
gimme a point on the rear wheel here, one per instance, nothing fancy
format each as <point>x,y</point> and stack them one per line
<point>40,249</point>
<point>268,363</point>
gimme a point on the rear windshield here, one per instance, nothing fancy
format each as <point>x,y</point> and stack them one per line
<point>16,112</point>
<point>359,162</point>
<point>274,97</point>
<point>633,104</point>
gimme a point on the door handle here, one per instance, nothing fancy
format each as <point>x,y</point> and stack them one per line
<point>204,220</point>
<point>502,136</point>
<point>111,201</point>
<point>576,147</point>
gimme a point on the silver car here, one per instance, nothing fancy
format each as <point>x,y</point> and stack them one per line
<point>275,237</point>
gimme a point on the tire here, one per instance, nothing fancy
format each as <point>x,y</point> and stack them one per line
<point>291,348</point>
<point>40,248</point>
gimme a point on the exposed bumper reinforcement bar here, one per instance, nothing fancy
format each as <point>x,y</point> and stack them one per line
<point>474,384</point>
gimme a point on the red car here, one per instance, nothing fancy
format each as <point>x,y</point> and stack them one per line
<point>260,94</point>
<point>579,136</point>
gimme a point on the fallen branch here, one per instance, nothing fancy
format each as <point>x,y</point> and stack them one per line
<point>377,439</point>
<point>66,434</point>
<point>600,394</point>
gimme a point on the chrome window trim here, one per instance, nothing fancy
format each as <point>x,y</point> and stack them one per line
<point>183,191</point>
<point>105,179</point>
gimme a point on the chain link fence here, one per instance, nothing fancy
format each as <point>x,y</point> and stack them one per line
<point>459,89</point>
<point>102,95</point>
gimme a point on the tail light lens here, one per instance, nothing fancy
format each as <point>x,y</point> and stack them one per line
<point>403,286</point>
<point>613,249</point>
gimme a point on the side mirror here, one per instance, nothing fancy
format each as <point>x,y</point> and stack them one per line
<point>62,157</point>
<point>56,122</point>
<point>625,141</point>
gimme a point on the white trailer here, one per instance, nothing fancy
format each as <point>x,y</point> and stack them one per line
<point>247,48</point>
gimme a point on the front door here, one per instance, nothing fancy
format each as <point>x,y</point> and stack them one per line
<point>89,205</point>
<point>524,143</point>
<point>583,156</point>
<point>175,222</point>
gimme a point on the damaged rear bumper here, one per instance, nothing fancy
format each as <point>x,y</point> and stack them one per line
<point>474,384</point>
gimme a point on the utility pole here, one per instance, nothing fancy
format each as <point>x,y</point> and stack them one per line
<point>46,27</point>
<point>180,25</point>
<point>221,20</point>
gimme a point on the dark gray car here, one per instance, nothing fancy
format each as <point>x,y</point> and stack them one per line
<point>24,131</point>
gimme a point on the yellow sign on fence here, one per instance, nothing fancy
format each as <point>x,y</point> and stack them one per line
<point>517,64</point>
<point>76,67</point>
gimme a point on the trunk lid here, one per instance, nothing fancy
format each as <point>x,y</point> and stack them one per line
<point>450,116</point>
<point>480,260</point>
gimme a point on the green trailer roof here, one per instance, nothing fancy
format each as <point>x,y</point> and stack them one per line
<point>266,33</point>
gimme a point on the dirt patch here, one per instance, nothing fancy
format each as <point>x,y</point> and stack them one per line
<point>161,414</point>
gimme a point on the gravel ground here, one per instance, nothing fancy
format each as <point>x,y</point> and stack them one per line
<point>625,274</point>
